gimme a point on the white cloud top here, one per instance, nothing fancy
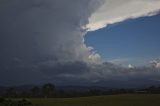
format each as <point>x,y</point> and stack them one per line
<point>113,11</point>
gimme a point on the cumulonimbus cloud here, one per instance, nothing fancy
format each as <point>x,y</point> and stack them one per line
<point>43,40</point>
<point>36,32</point>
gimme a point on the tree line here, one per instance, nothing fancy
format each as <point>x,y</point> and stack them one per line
<point>49,90</point>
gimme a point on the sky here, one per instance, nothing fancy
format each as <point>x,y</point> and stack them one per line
<point>79,42</point>
<point>134,41</point>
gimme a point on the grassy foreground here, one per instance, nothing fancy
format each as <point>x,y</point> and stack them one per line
<point>112,100</point>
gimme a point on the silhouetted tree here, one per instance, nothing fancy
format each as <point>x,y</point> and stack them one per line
<point>11,92</point>
<point>35,91</point>
<point>48,90</point>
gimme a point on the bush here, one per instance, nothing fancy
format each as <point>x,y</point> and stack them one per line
<point>24,102</point>
<point>2,100</point>
<point>10,102</point>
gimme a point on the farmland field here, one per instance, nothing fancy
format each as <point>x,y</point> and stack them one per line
<point>111,100</point>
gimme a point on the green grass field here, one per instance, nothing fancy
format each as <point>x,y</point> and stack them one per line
<point>112,100</point>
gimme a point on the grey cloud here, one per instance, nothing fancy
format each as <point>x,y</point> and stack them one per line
<point>34,29</point>
<point>35,32</point>
<point>106,74</point>
<point>43,41</point>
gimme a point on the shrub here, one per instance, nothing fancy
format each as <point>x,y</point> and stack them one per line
<point>2,100</point>
<point>24,102</point>
<point>10,102</point>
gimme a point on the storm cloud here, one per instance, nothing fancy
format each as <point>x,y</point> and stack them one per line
<point>43,41</point>
<point>39,33</point>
